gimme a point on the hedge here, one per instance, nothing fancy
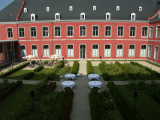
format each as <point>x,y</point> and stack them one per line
<point>103,71</point>
<point>13,70</point>
<point>28,75</point>
<point>75,67</point>
<point>89,68</point>
<point>9,88</point>
<point>38,68</point>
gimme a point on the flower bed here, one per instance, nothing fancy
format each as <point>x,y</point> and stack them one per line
<point>75,67</point>
<point>89,68</point>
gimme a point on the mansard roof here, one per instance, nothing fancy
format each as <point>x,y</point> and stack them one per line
<point>38,7</point>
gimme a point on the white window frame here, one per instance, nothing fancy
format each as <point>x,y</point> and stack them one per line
<point>131,50</point>
<point>57,14</point>
<point>145,51</point>
<point>117,8</point>
<point>70,8</point>
<point>81,16</point>
<point>130,31</point>
<point>122,32</point>
<point>8,33</point>
<point>149,51</point>
<point>150,32</point>
<point>93,30</point>
<point>157,32</point>
<point>80,30</point>
<point>68,54</point>
<point>44,55</point>
<point>47,9</point>
<point>97,55</point>
<point>45,31</point>
<point>19,32</point>
<point>133,16</point>
<point>105,51</point>
<point>60,49</point>
<point>94,8</point>
<point>33,17</point>
<point>55,31</point>
<point>72,30</point>
<point>25,10</point>
<point>31,33</point>
<point>140,8</point>
<point>36,49</point>
<point>25,52</point>
<point>117,52</point>
<point>108,14</point>
<point>110,30</point>
<point>142,32</point>
<point>155,52</point>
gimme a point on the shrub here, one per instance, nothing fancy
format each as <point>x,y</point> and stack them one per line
<point>28,75</point>
<point>75,67</point>
<point>13,70</point>
<point>89,68</point>
<point>38,68</point>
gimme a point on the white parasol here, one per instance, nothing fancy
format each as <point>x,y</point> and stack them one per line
<point>55,56</point>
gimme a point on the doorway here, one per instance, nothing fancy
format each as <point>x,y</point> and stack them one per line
<point>82,51</point>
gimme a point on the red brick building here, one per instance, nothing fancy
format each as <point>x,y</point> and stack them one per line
<point>80,30</point>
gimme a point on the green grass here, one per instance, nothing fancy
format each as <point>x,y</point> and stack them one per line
<point>158,65</point>
<point>12,105</point>
<point>42,75</point>
<point>97,70</point>
<point>18,75</point>
<point>147,107</point>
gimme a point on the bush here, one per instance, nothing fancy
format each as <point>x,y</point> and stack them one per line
<point>28,75</point>
<point>75,67</point>
<point>13,70</point>
<point>38,68</point>
<point>89,68</point>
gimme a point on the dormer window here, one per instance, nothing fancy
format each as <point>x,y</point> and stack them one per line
<point>25,10</point>
<point>33,17</point>
<point>140,8</point>
<point>117,8</point>
<point>47,9</point>
<point>70,8</point>
<point>108,16</point>
<point>82,16</point>
<point>133,16</point>
<point>57,16</point>
<point>94,8</point>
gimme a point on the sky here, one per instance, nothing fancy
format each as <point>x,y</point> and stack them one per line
<point>4,3</point>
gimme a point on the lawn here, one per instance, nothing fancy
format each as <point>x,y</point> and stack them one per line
<point>18,75</point>
<point>97,70</point>
<point>12,105</point>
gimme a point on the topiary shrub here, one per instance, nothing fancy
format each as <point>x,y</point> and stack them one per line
<point>89,68</point>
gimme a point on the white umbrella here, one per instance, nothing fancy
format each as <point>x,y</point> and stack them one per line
<point>29,57</point>
<point>55,56</point>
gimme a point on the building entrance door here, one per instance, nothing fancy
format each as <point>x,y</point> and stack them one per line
<point>82,51</point>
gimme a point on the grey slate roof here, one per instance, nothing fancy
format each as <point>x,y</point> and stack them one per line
<point>38,7</point>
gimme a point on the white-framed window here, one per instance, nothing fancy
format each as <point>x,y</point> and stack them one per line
<point>47,9</point>
<point>132,31</point>
<point>120,31</point>
<point>23,50</point>
<point>33,17</point>
<point>95,31</point>
<point>95,50</point>
<point>58,50</point>
<point>94,8</point>
<point>131,52</point>
<point>82,31</point>
<point>25,10</point>
<point>57,31</point>
<point>70,31</point>
<point>156,52</point>
<point>70,51</point>
<point>143,52</point>
<point>158,32</point>
<point>33,32</point>
<point>107,50</point>
<point>46,51</point>
<point>144,31</point>
<point>82,16</point>
<point>108,16</point>
<point>119,50</point>
<point>21,32</point>
<point>133,16</point>
<point>150,32</point>
<point>140,8</point>
<point>9,32</point>
<point>45,31</point>
<point>108,31</point>
<point>57,16</point>
<point>149,50</point>
<point>117,8</point>
<point>70,8</point>
<point>34,50</point>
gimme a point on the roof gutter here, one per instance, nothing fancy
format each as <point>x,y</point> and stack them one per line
<point>19,13</point>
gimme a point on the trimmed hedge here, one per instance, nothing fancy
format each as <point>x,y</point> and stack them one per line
<point>38,68</point>
<point>89,68</point>
<point>75,67</point>
<point>9,88</point>
<point>13,70</point>
<point>103,71</point>
<point>28,75</point>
